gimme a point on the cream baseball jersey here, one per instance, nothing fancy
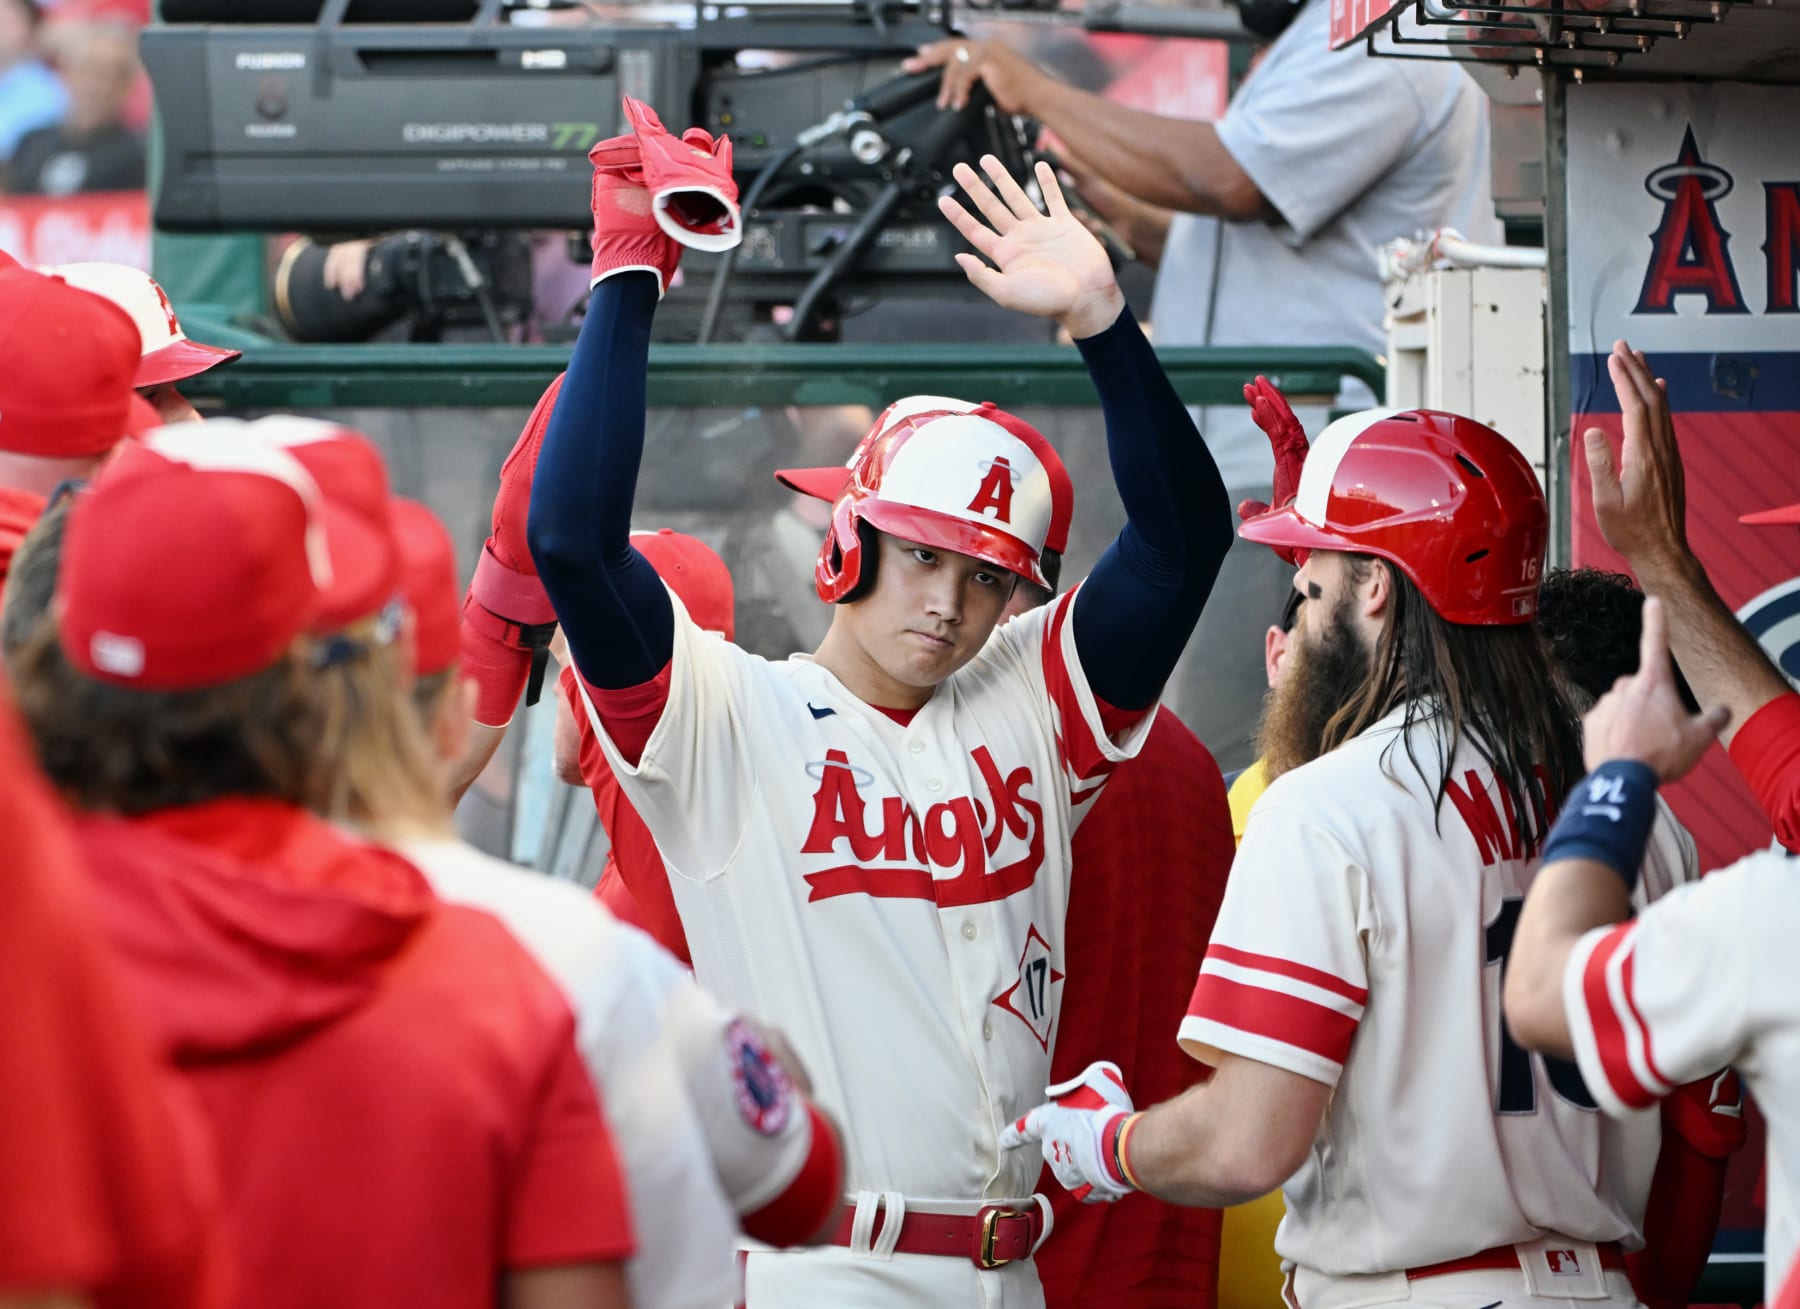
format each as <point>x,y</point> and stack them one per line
<point>1707,977</point>
<point>890,896</point>
<point>1362,942</point>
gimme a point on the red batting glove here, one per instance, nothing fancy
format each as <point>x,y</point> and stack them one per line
<point>507,619</point>
<point>655,193</point>
<point>1078,1132</point>
<point>1270,409</point>
<point>692,193</point>
<point>626,235</point>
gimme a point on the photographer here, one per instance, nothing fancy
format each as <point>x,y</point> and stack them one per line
<point>471,285</point>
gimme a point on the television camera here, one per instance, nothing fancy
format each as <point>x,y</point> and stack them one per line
<point>358,117</point>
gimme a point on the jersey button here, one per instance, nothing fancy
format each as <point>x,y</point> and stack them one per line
<point>917,746</point>
<point>935,784</point>
<point>987,1030</point>
<point>968,931</point>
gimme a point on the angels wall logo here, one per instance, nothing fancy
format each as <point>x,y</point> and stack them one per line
<point>1690,250</point>
<point>1773,618</point>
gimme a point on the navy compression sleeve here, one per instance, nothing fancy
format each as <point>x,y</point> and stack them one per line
<point>610,601</point>
<point>1138,607</point>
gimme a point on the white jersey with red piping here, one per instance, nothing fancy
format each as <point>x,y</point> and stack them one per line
<point>890,896</point>
<point>1707,977</point>
<point>1362,943</point>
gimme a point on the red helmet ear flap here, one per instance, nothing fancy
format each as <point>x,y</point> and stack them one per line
<point>846,567</point>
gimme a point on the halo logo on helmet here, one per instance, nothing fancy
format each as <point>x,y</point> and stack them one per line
<point>1450,502</point>
<point>969,482</point>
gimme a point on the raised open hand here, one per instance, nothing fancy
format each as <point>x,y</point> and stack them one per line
<point>1640,499</point>
<point>1047,264</point>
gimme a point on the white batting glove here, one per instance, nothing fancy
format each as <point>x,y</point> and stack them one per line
<point>1078,1132</point>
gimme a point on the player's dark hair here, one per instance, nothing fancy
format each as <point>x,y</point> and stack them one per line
<point>1593,620</point>
<point>1494,687</point>
<point>31,578</point>
<point>117,750</point>
<point>1050,564</point>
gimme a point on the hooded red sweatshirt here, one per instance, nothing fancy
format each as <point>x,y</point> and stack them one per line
<point>392,1085</point>
<point>103,1159</point>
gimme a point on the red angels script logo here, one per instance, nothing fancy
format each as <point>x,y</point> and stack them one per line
<point>995,491</point>
<point>895,850</point>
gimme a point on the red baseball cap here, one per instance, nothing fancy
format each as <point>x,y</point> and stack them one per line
<point>353,481</point>
<point>429,582</point>
<point>193,560</point>
<point>66,385</point>
<point>693,571</point>
<point>829,483</point>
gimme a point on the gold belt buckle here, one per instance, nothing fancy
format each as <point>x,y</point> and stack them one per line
<point>990,1234</point>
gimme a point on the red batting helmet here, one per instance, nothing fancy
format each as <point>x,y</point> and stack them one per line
<point>972,482</point>
<point>829,483</point>
<point>1451,503</point>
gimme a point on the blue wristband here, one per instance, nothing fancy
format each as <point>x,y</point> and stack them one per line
<point>1607,819</point>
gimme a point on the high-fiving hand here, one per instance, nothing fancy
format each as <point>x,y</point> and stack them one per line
<point>1640,499</point>
<point>1047,264</point>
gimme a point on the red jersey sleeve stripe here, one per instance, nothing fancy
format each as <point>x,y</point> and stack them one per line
<point>1610,1040</point>
<point>1274,1015</point>
<point>1269,963</point>
<point>1082,753</point>
<point>1627,983</point>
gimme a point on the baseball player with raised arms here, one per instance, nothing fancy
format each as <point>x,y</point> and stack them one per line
<point>1354,973</point>
<point>869,846</point>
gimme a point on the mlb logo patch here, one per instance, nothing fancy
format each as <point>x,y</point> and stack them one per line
<point>765,1096</point>
<point>1563,1263</point>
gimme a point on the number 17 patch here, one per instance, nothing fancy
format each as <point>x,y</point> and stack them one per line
<point>1032,999</point>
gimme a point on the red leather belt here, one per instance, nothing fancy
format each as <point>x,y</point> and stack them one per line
<point>995,1236</point>
<point>1506,1256</point>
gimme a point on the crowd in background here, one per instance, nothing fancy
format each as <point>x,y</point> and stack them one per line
<point>74,100</point>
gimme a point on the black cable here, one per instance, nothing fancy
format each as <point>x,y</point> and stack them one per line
<point>715,299</point>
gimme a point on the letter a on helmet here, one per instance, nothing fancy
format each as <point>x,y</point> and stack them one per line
<point>970,482</point>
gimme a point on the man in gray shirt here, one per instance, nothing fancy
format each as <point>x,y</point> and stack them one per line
<point>1264,225</point>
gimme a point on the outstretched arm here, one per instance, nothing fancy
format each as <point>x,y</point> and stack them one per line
<point>614,609</point>
<point>1640,502</point>
<point>1141,602</point>
<point>653,194</point>
<point>1172,163</point>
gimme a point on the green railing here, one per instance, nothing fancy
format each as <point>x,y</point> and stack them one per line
<point>463,376</point>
